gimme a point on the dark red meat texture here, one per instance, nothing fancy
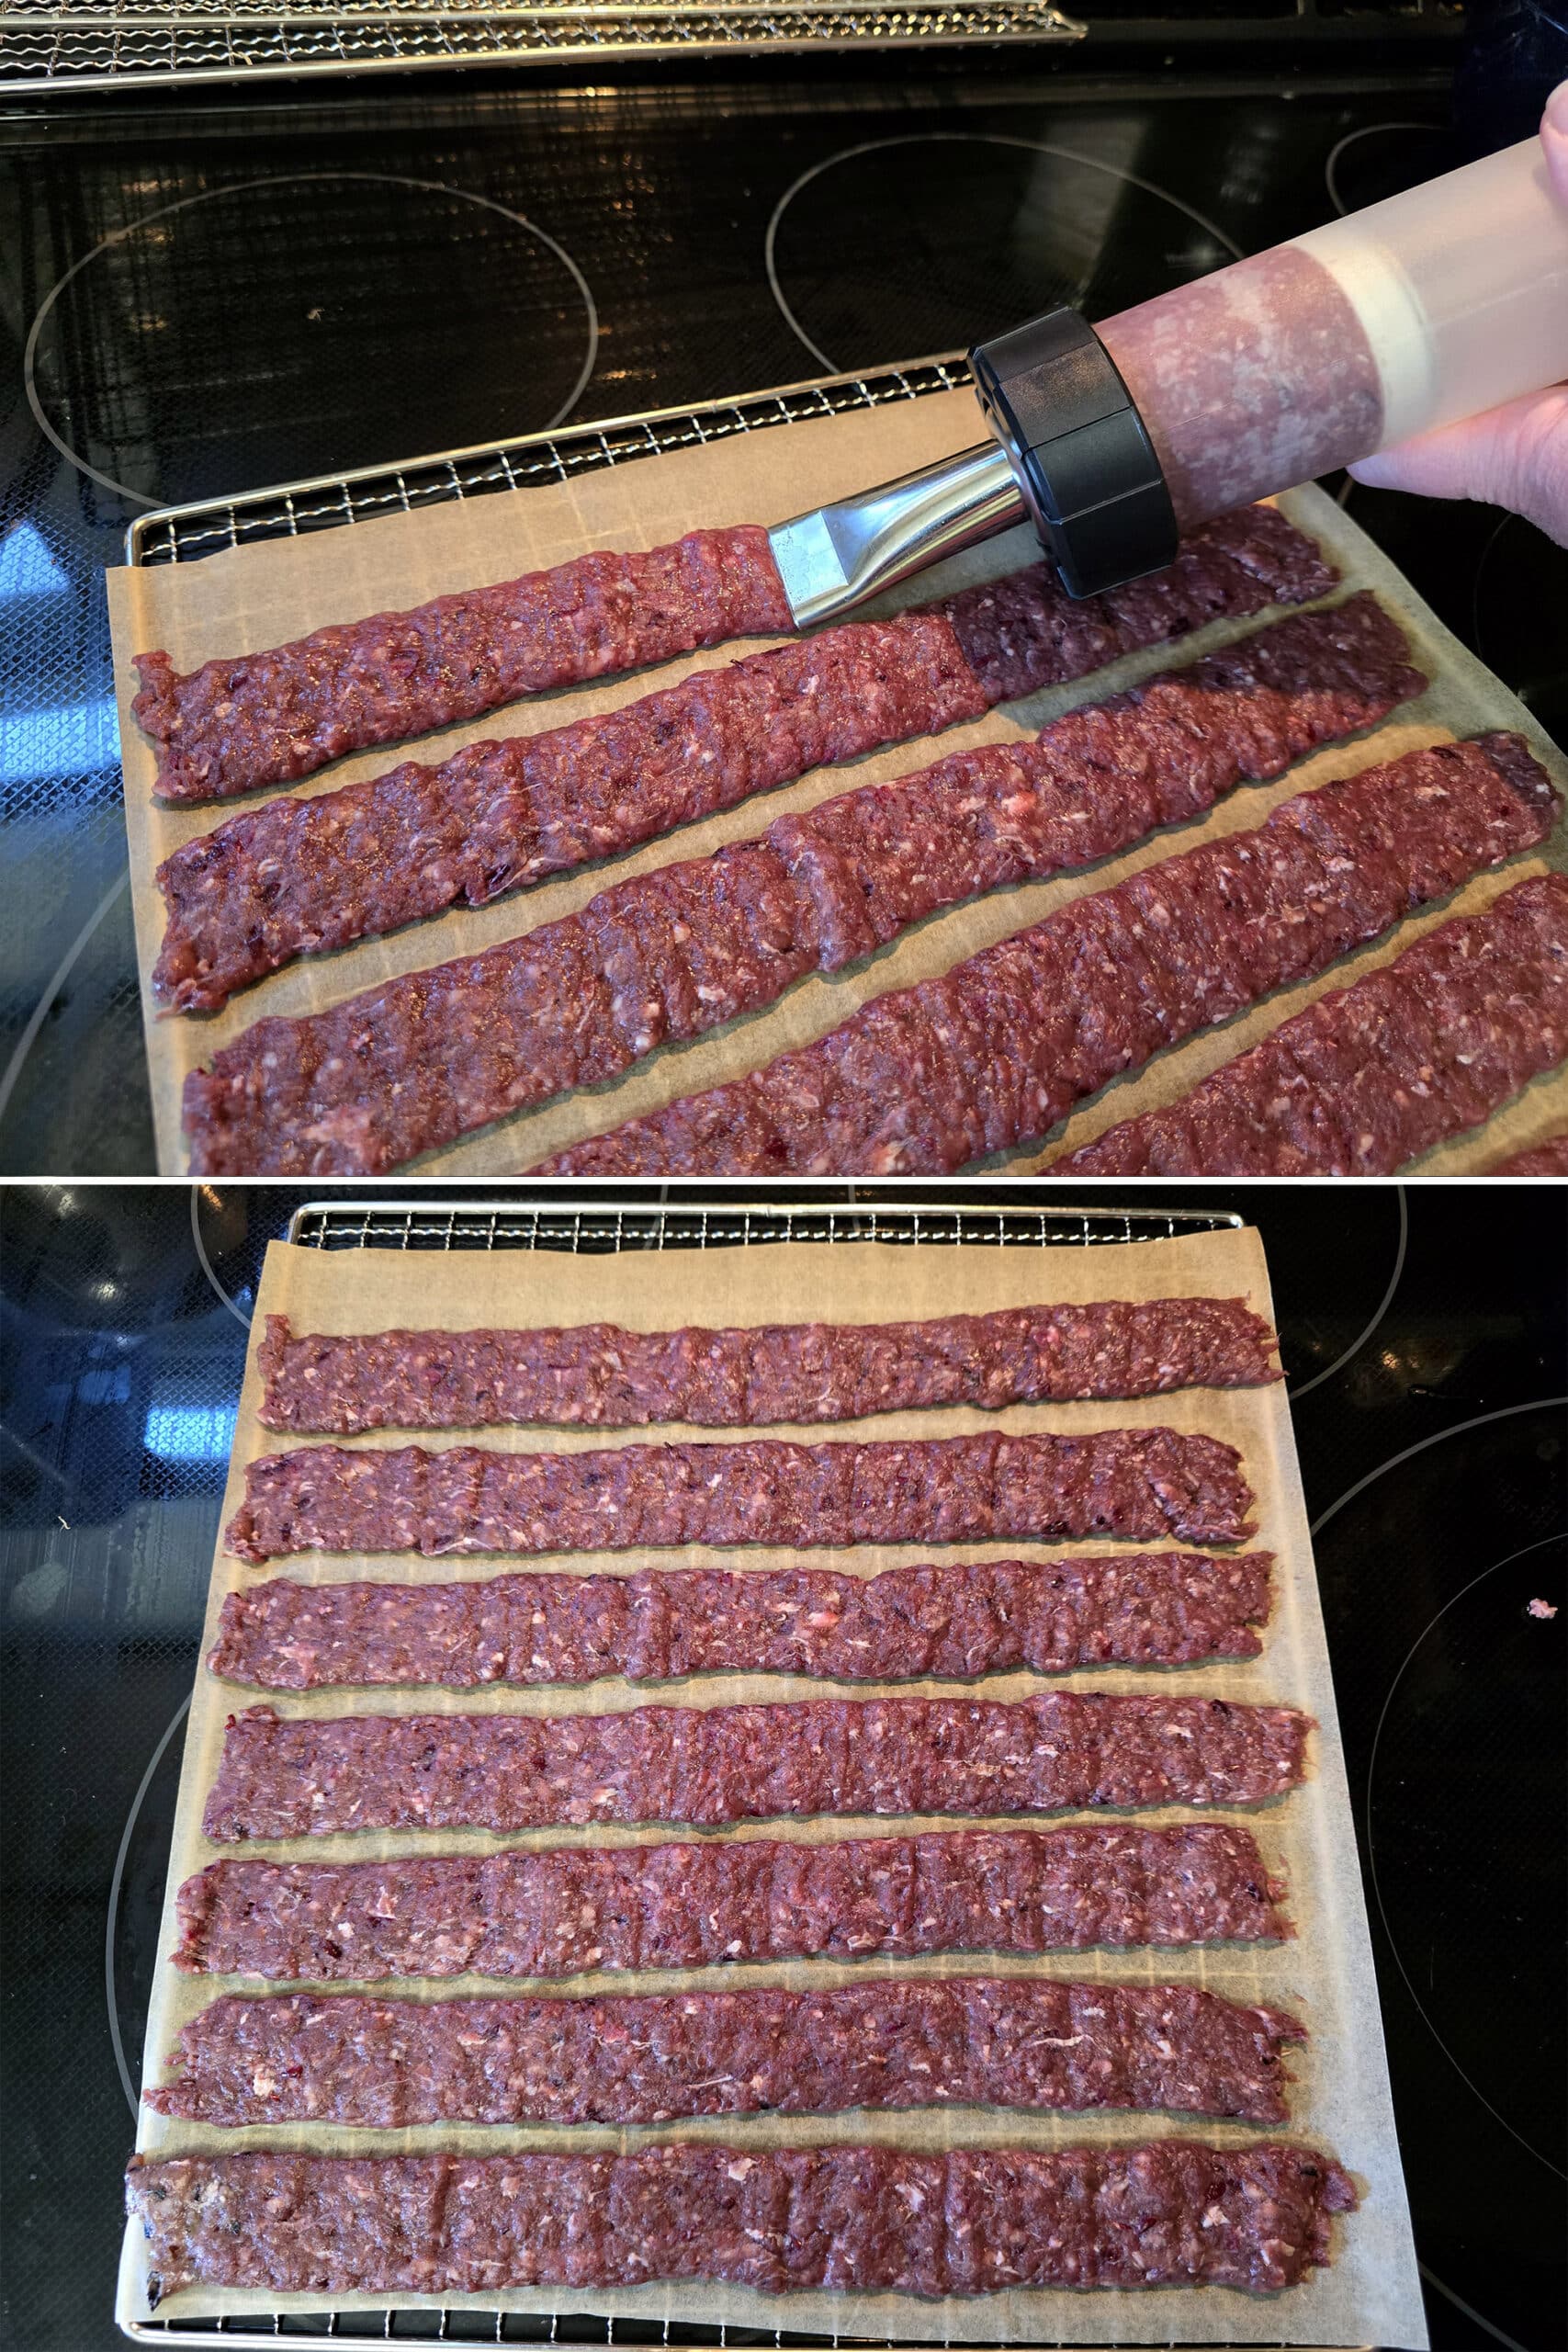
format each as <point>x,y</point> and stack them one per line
<point>669,955</point>
<point>1136,1484</point>
<point>1024,631</point>
<point>296,876</point>
<point>568,1909</point>
<point>1171,2213</point>
<point>1547,1158</point>
<point>709,1766</point>
<point>1368,1076</point>
<point>269,717</point>
<point>1007,2042</point>
<point>985,1617</point>
<point>993,1053</point>
<point>597,1374</point>
<point>300,875</point>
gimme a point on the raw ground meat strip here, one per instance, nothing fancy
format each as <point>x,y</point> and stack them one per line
<point>709,1766</point>
<point>597,1374</point>
<point>667,955</point>
<point>993,1053</point>
<point>269,717</point>
<point>300,875</point>
<point>568,1909</point>
<point>1136,1484</point>
<point>1370,1075</point>
<point>1008,2041</point>
<point>1169,2212</point>
<point>985,1617</point>
<point>1547,1158</point>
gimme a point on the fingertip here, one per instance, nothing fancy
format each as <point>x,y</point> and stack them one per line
<point>1554,138</point>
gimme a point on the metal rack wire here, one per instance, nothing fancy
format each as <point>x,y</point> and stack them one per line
<point>601,1226</point>
<point>153,43</point>
<point>327,502</point>
<point>524,2327</point>
<point>46,47</point>
<point>605,1225</point>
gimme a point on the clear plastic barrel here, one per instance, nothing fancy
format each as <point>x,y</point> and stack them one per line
<point>1431,306</point>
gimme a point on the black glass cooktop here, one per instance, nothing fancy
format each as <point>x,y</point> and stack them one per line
<point>1424,1338</point>
<point>205,298</point>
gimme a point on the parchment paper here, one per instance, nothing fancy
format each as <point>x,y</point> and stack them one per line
<point>259,596</point>
<point>1341,2099</point>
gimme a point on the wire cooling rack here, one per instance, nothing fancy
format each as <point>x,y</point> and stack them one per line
<point>327,502</point>
<point>134,45</point>
<point>602,1225</point>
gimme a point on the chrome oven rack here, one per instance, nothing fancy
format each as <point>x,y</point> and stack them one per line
<point>599,1227</point>
<point>326,502</point>
<point>140,44</point>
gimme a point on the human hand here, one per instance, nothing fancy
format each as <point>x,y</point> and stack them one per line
<point>1516,455</point>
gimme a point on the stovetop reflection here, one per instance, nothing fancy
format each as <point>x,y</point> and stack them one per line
<point>1423,1334</point>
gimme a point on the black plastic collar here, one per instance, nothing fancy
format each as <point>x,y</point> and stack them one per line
<point>1085,463</point>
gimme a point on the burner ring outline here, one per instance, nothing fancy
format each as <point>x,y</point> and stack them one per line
<point>963,138</point>
<point>1362,1335</point>
<point>1469,2310</point>
<point>1561,1536</point>
<point>24,1043</point>
<point>1456,1428</point>
<point>1330,166</point>
<point>286,179</point>
<point>115,1882</point>
<point>235,1309</point>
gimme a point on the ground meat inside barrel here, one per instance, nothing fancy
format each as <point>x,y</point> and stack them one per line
<point>568,1909</point>
<point>983,1617</point>
<point>1054,1753</point>
<point>990,1055</point>
<point>1170,2212</point>
<point>597,1375</point>
<point>1136,1484</point>
<point>1250,376</point>
<point>637,2059</point>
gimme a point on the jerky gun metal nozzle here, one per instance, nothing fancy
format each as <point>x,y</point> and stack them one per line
<point>1427,307</point>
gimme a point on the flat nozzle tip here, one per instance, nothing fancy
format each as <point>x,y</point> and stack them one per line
<point>814,579</point>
